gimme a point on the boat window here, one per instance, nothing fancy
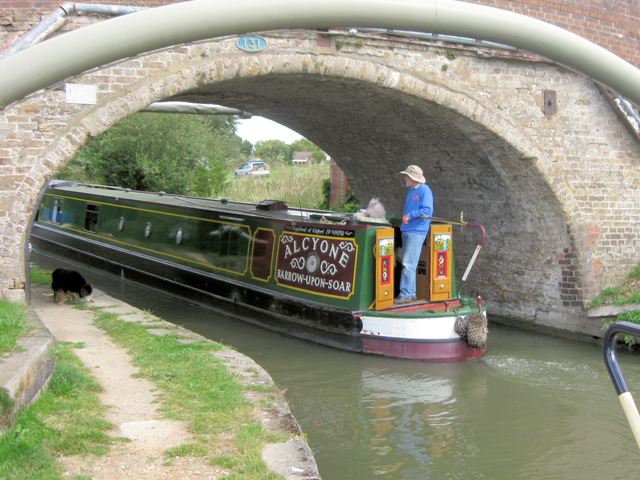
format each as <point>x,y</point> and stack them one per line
<point>227,247</point>
<point>56,212</point>
<point>147,230</point>
<point>91,215</point>
<point>121,224</point>
<point>262,256</point>
<point>230,242</point>
<point>179,236</point>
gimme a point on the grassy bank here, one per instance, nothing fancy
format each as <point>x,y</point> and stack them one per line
<point>40,276</point>
<point>199,390</point>
<point>13,324</point>
<point>625,294</point>
<point>299,185</point>
<point>195,387</point>
<point>67,419</point>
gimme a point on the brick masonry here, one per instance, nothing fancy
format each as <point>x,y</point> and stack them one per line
<point>339,186</point>
<point>558,193</point>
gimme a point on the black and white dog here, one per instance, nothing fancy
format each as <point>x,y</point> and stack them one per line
<point>69,282</point>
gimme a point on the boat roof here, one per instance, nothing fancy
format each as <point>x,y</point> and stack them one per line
<point>267,208</point>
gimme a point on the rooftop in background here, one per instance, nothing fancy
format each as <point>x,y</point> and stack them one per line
<point>301,157</point>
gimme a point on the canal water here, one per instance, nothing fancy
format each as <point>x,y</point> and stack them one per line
<point>535,407</point>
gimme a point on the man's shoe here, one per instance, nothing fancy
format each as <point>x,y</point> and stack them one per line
<point>400,300</point>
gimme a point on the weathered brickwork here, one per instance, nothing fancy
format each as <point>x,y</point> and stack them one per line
<point>615,25</point>
<point>339,186</point>
<point>558,193</point>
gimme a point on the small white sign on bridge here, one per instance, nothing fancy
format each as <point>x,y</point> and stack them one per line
<point>80,93</point>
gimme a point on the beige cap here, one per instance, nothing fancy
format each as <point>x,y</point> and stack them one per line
<point>414,172</point>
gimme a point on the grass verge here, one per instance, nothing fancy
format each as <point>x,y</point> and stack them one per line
<point>625,294</point>
<point>13,324</point>
<point>40,276</point>
<point>67,419</point>
<point>199,390</point>
<point>298,186</point>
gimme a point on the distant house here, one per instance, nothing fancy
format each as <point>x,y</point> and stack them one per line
<point>301,158</point>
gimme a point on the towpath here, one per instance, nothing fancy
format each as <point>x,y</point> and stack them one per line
<point>133,405</point>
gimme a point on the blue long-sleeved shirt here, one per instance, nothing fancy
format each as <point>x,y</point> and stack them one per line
<point>419,203</point>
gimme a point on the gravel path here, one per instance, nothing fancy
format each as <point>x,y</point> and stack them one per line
<point>131,402</point>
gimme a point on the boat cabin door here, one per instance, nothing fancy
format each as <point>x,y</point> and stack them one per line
<point>384,253</point>
<point>441,263</point>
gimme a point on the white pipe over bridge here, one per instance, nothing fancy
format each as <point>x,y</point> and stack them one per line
<point>70,54</point>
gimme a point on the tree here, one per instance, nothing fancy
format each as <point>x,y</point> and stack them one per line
<point>246,148</point>
<point>184,154</point>
<point>272,151</point>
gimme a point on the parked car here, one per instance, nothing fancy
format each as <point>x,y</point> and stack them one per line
<point>253,168</point>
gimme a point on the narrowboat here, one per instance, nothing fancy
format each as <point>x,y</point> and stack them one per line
<point>321,276</point>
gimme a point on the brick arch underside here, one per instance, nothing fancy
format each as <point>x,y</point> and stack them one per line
<point>373,132</point>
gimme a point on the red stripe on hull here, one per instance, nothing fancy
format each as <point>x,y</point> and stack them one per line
<point>429,351</point>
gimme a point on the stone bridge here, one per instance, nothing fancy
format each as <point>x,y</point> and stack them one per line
<point>555,185</point>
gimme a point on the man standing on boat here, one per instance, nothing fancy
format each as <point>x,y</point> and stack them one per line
<point>418,208</point>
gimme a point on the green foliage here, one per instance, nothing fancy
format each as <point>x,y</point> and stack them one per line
<point>452,54</point>
<point>184,154</point>
<point>246,148</point>
<point>13,324</point>
<point>624,294</point>
<point>198,389</point>
<point>67,419</point>
<point>304,145</point>
<point>39,276</point>
<point>224,461</point>
<point>298,186</point>
<point>186,450</point>
<point>272,151</point>
<point>351,204</point>
<point>250,441</point>
<point>606,297</point>
<point>633,317</point>
<point>276,151</point>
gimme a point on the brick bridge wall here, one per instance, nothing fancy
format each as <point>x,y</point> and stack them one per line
<point>613,24</point>
<point>558,193</point>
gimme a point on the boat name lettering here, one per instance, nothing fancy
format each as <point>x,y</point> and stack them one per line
<point>319,264</point>
<point>307,280</point>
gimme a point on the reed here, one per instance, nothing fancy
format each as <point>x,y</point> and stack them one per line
<point>296,185</point>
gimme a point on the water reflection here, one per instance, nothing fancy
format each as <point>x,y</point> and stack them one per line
<point>398,429</point>
<point>534,408</point>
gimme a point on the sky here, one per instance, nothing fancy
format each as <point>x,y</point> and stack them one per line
<point>255,129</point>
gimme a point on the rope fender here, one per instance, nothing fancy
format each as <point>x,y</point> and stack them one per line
<point>473,329</point>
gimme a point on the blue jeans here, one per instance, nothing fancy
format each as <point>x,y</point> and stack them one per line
<point>411,250</point>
